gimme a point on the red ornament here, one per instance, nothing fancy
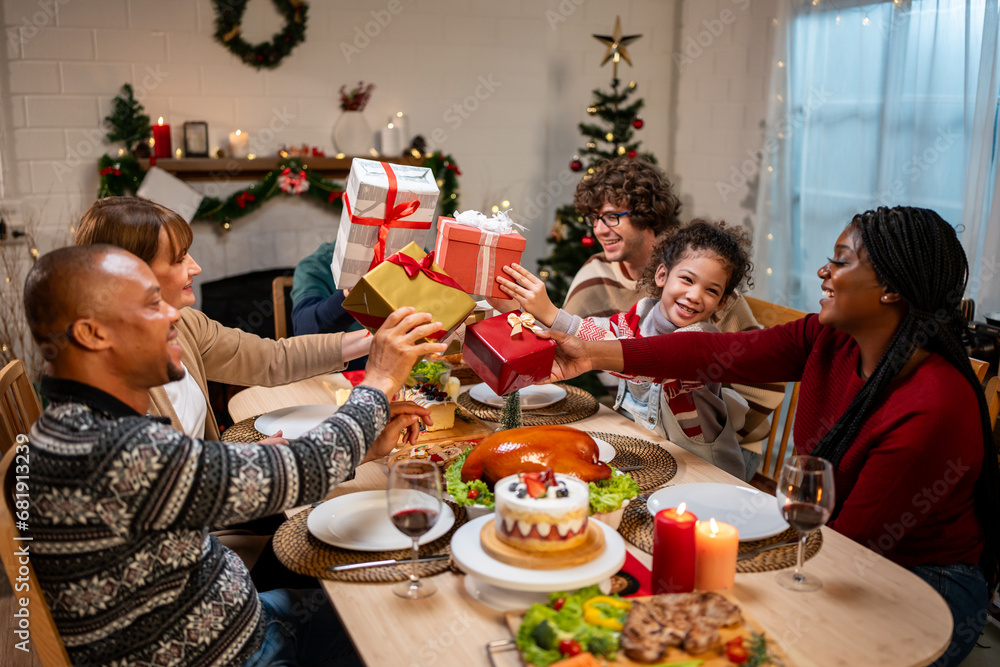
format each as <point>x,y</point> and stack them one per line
<point>631,153</point>
<point>587,241</point>
<point>451,166</point>
<point>334,196</point>
<point>576,165</point>
<point>638,123</point>
<point>243,198</point>
<point>110,170</point>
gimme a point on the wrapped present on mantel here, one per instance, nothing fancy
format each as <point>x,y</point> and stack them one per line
<point>473,249</point>
<point>386,207</point>
<point>505,352</point>
<point>409,278</point>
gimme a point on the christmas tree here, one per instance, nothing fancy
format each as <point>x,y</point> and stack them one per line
<point>128,123</point>
<point>610,134</point>
<point>511,416</point>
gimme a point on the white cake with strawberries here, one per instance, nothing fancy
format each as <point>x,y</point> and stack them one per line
<point>542,511</point>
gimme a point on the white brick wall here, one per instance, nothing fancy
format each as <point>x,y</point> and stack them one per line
<point>66,59</point>
<point>720,104</point>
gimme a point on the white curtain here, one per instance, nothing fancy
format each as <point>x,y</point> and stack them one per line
<point>877,104</point>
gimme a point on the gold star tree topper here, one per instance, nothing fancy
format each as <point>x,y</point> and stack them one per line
<point>616,44</point>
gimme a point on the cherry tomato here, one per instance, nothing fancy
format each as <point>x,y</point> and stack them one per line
<point>558,604</point>
<point>570,647</point>
<point>736,654</point>
<point>472,494</point>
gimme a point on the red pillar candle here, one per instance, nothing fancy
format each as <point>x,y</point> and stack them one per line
<point>161,140</point>
<point>674,551</point>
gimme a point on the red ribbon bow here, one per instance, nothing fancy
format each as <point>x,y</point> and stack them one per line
<point>414,267</point>
<point>393,216</point>
<point>110,170</point>
<point>244,197</point>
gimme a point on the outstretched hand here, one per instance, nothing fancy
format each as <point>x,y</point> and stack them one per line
<point>405,416</point>
<point>396,348</point>
<point>529,291</point>
<point>571,359</point>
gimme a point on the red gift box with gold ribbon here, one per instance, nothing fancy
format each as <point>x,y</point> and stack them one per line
<point>386,207</point>
<point>409,278</point>
<point>506,353</point>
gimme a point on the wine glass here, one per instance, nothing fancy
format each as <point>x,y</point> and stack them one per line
<point>806,498</point>
<point>414,506</point>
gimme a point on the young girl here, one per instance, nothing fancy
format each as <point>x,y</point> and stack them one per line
<point>693,270</point>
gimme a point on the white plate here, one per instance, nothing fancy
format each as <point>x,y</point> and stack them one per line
<point>360,521</point>
<point>467,551</point>
<point>754,513</point>
<point>506,600</point>
<point>605,452</point>
<point>532,398</point>
<point>294,422</point>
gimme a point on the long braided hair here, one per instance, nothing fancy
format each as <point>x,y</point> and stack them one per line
<point>916,254</point>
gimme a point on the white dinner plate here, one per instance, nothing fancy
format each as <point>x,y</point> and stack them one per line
<point>532,398</point>
<point>754,513</point>
<point>294,422</point>
<point>605,452</point>
<point>360,521</point>
<point>468,553</point>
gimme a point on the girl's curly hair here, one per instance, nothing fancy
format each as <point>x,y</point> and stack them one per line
<point>631,184</point>
<point>730,244</point>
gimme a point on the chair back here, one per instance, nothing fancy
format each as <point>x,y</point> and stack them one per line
<point>19,406</point>
<point>992,390</point>
<point>769,315</point>
<point>44,638</point>
<point>282,313</point>
<point>980,368</point>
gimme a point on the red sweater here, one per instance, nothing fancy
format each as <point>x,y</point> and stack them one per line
<point>904,488</point>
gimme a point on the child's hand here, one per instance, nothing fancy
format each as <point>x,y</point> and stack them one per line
<point>529,291</point>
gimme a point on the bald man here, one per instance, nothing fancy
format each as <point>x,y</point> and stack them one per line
<point>122,504</point>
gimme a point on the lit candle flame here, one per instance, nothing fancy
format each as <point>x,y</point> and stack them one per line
<point>399,114</point>
<point>714,526</point>
<point>160,122</point>
<point>239,132</point>
<point>681,508</point>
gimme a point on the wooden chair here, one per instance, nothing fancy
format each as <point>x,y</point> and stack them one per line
<point>980,367</point>
<point>44,636</point>
<point>19,406</point>
<point>278,287</point>
<point>768,315</point>
<point>992,390</point>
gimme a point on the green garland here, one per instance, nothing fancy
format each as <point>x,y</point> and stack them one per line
<point>229,16</point>
<point>123,175</point>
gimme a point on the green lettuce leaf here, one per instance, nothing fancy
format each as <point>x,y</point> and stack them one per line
<point>459,490</point>
<point>607,495</point>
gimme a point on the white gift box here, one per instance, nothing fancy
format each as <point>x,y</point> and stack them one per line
<point>167,190</point>
<point>411,212</point>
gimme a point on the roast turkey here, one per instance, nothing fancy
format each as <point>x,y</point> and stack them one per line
<point>533,449</point>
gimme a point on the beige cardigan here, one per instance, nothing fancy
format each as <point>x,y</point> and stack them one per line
<point>218,353</point>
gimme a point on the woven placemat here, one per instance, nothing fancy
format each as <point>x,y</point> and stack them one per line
<point>660,466</point>
<point>300,552</point>
<point>637,528</point>
<point>243,431</point>
<point>577,405</point>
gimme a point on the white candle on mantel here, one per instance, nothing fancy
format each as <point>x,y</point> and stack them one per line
<point>403,125</point>
<point>239,144</point>
<point>391,146</point>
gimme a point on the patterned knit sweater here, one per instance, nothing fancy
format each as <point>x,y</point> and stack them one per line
<point>120,513</point>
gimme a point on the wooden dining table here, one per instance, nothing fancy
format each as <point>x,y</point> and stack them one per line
<point>869,611</point>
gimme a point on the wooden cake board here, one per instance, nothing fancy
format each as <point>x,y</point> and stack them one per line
<point>590,549</point>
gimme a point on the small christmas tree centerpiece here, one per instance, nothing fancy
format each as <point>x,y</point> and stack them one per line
<point>511,415</point>
<point>128,124</point>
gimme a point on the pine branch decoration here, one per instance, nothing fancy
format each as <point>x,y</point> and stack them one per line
<point>127,122</point>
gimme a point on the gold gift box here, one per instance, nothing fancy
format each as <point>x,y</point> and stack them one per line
<point>388,287</point>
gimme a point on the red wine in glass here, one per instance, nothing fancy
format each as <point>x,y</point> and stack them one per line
<point>805,517</point>
<point>414,522</point>
<point>414,503</point>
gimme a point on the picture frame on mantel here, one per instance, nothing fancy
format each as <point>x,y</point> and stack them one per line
<point>196,139</point>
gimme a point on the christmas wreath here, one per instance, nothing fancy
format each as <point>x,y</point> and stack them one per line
<point>229,16</point>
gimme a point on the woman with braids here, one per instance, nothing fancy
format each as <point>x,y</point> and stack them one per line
<point>887,395</point>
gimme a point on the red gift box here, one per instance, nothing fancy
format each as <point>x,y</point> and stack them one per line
<point>507,362</point>
<point>474,257</point>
